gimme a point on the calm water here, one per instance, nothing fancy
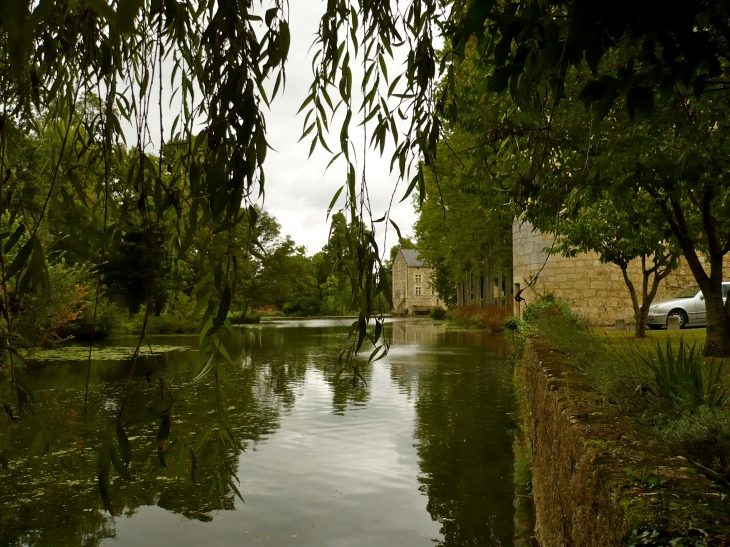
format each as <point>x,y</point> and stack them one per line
<point>421,455</point>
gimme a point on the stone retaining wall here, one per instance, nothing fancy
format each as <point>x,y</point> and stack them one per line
<point>585,460</point>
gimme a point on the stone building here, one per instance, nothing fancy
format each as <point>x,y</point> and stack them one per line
<point>595,291</point>
<point>412,289</point>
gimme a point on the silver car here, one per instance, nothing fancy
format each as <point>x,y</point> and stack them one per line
<point>688,306</point>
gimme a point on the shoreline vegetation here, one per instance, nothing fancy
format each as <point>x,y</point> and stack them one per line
<point>659,389</point>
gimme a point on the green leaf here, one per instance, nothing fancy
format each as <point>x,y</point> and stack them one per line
<point>193,464</point>
<point>39,443</point>
<point>362,329</point>
<point>270,15</point>
<point>351,185</point>
<point>127,11</point>
<point>19,231</point>
<point>378,331</point>
<point>163,432</point>
<point>125,448</point>
<point>284,39</point>
<point>103,469</point>
<point>640,100</point>
<point>223,308</point>
<point>20,259</point>
<point>234,488</point>
<point>119,464</point>
<point>375,353</point>
<point>305,103</point>
<point>334,200</point>
<point>201,284</point>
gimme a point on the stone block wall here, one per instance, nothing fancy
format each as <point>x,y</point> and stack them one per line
<point>595,291</point>
<point>581,447</point>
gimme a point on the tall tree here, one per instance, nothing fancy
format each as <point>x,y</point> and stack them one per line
<point>464,226</point>
<point>654,82</point>
<point>622,229</point>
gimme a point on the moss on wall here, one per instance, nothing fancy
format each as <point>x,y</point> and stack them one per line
<point>599,480</point>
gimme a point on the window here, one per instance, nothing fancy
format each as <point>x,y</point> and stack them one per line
<point>418,290</point>
<point>418,278</point>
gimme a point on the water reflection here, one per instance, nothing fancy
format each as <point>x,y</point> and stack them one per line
<point>326,462</point>
<point>463,423</point>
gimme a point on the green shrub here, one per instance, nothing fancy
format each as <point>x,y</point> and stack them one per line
<point>703,434</point>
<point>684,379</point>
<point>110,319</point>
<point>482,317</point>
<point>176,317</point>
<point>438,313</point>
<point>515,324</point>
<point>546,305</point>
<point>249,318</point>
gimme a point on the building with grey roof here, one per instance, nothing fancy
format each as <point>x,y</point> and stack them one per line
<point>413,292</point>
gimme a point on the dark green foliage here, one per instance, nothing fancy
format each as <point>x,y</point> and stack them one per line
<point>515,324</point>
<point>547,306</point>
<point>438,313</point>
<point>684,379</point>
<point>110,319</point>
<point>462,220</point>
<point>248,319</point>
<point>127,271</point>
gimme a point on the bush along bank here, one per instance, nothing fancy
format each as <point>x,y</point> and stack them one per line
<point>615,455</point>
<point>491,318</point>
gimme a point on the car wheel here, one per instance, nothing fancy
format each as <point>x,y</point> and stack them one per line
<point>680,315</point>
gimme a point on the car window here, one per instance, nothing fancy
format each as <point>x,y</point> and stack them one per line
<point>689,292</point>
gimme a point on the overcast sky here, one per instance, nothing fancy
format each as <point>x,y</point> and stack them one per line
<point>297,189</point>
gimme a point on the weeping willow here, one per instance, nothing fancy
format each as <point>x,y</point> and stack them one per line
<point>91,80</point>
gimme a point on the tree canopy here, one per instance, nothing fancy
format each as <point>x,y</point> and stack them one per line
<point>569,99</point>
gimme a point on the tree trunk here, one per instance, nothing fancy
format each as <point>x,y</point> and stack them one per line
<point>718,321</point>
<point>717,342</point>
<point>500,288</point>
<point>655,274</point>
<point>509,293</point>
<point>640,326</point>
<point>489,281</point>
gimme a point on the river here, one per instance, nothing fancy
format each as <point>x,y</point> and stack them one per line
<point>421,455</point>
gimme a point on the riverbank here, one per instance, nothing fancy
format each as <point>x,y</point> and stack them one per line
<point>599,479</point>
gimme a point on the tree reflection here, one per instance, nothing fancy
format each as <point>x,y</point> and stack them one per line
<point>461,399</point>
<point>465,453</point>
<point>54,500</point>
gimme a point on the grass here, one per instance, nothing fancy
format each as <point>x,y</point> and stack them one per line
<point>661,381</point>
<point>627,338</point>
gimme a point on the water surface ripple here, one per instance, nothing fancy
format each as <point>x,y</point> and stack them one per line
<point>421,455</point>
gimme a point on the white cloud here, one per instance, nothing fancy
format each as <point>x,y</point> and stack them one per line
<point>298,190</point>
